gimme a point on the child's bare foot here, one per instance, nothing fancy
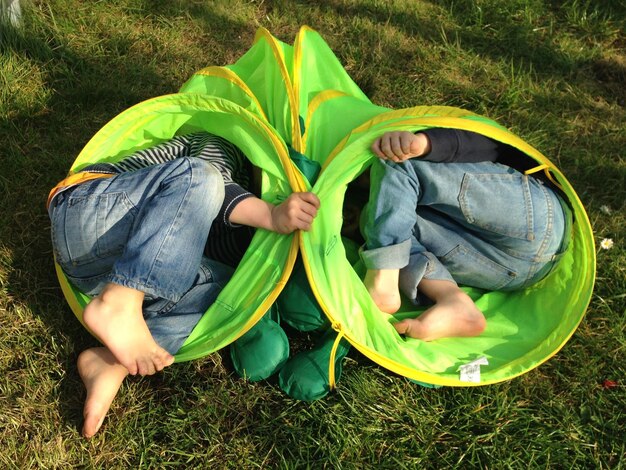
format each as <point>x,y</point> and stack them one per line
<point>102,376</point>
<point>453,315</point>
<point>382,284</point>
<point>115,317</point>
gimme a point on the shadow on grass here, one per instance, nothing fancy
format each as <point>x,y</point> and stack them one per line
<point>38,149</point>
<point>39,145</point>
<point>520,42</point>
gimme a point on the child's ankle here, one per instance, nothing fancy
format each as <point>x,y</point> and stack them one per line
<point>382,284</point>
<point>115,294</point>
<point>382,278</point>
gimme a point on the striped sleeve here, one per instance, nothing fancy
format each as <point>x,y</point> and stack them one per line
<point>227,158</point>
<point>227,242</point>
<point>234,167</point>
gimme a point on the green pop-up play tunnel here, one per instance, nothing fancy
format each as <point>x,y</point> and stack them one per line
<point>278,97</point>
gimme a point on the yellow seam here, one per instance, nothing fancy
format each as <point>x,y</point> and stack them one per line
<point>295,180</point>
<point>296,138</point>
<point>333,353</point>
<point>546,170</point>
<point>228,74</point>
<point>297,74</point>
<point>338,148</point>
<point>74,179</point>
<point>297,64</point>
<point>551,178</point>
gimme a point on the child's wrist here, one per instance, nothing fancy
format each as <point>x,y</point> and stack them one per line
<point>272,222</point>
<point>423,143</point>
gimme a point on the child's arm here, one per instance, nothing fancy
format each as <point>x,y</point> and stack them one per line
<point>402,145</point>
<point>439,145</point>
<point>296,212</point>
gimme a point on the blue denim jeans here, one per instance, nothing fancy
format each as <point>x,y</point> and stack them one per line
<point>483,224</point>
<point>145,230</point>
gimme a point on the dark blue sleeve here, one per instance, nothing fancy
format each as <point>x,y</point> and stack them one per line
<point>454,145</point>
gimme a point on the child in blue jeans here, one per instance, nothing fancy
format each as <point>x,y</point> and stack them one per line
<point>445,207</point>
<point>132,234</point>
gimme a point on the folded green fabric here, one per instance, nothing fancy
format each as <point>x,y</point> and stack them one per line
<point>305,376</point>
<point>297,305</point>
<point>262,351</point>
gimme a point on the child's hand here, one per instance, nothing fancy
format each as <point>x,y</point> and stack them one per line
<point>295,212</point>
<point>400,146</point>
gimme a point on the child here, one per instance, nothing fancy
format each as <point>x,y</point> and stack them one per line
<point>132,235</point>
<point>445,208</point>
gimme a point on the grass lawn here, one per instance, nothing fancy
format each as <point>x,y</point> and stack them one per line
<point>552,71</point>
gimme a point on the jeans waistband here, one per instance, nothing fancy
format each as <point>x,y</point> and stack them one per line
<point>73,180</point>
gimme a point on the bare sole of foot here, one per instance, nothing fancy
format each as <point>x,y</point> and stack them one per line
<point>456,316</point>
<point>382,286</point>
<point>102,376</point>
<point>120,326</point>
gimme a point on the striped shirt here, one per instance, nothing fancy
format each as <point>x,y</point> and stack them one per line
<point>227,242</point>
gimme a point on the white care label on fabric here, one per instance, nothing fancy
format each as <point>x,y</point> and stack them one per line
<point>470,372</point>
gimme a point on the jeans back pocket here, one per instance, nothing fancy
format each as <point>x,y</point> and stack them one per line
<point>97,226</point>
<point>499,203</point>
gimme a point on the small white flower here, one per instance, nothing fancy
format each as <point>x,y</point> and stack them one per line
<point>606,243</point>
<point>605,210</point>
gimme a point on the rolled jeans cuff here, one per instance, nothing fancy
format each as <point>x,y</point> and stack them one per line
<point>150,291</point>
<point>387,257</point>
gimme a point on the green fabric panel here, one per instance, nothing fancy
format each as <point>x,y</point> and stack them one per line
<point>287,52</point>
<point>254,280</point>
<point>223,88</point>
<point>352,118</point>
<point>159,119</point>
<point>321,70</point>
<point>259,69</point>
<point>345,113</point>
